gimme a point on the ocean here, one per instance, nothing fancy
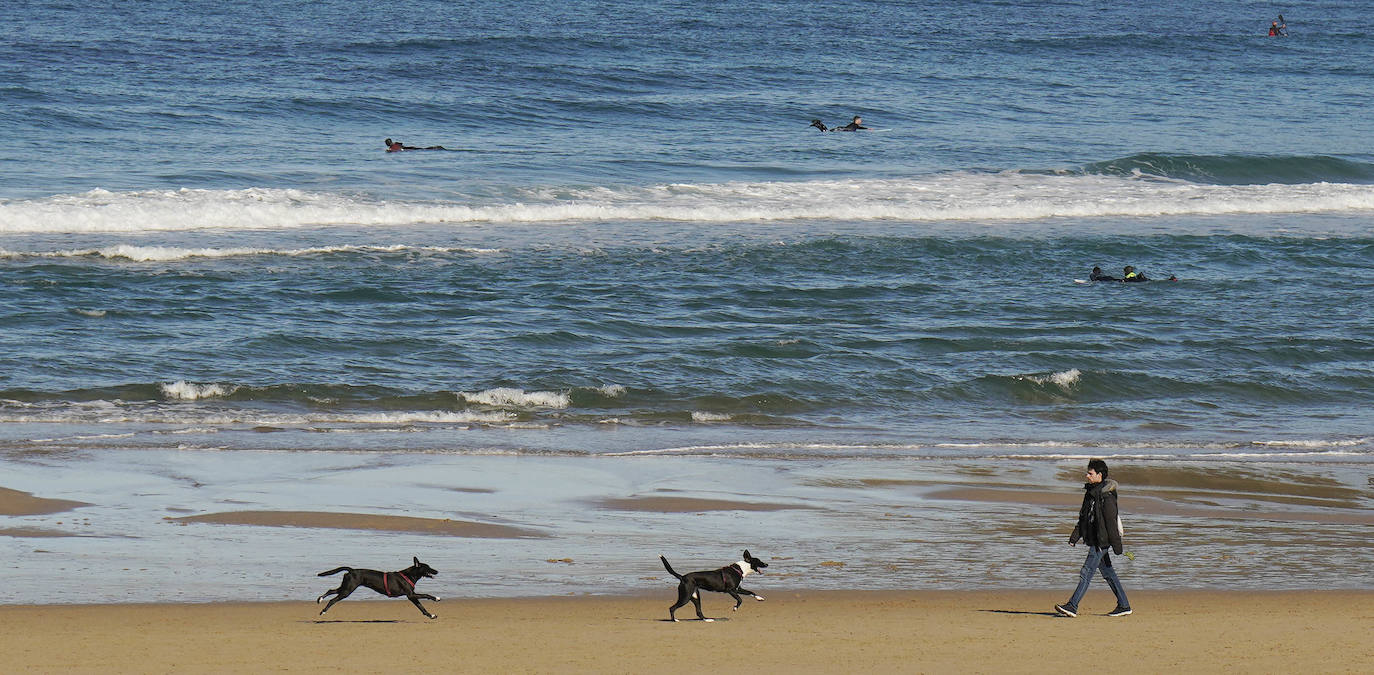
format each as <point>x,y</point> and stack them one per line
<point>634,272</point>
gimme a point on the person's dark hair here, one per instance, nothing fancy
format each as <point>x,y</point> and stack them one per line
<point>1098,466</point>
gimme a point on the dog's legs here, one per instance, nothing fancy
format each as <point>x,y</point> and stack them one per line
<point>749,592</point>
<point>337,598</point>
<point>426,596</point>
<point>738,600</point>
<point>696,602</point>
<point>343,591</point>
<point>683,595</point>
<point>415,600</point>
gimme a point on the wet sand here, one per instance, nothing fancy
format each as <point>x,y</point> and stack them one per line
<point>16,503</point>
<point>124,527</point>
<point>1146,504</point>
<point>363,521</point>
<point>689,505</point>
<point>793,631</point>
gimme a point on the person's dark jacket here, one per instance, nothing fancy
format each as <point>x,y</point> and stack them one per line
<point>1097,517</point>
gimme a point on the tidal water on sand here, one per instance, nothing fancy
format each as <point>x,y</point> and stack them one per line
<point>636,305</point>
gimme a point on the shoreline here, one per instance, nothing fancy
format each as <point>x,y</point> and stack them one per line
<point>199,526</point>
<point>814,631</point>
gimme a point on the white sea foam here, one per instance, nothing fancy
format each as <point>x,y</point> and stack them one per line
<point>186,391</point>
<point>612,390</point>
<point>700,416</point>
<point>111,413</point>
<point>517,397</point>
<point>170,253</point>
<point>1341,443</point>
<point>954,196</point>
<point>1063,379</point>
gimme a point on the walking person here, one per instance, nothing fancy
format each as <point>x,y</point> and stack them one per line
<point>1100,529</point>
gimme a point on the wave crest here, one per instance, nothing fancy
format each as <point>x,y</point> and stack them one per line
<point>1138,186</point>
<point>503,396</point>
<point>182,390</point>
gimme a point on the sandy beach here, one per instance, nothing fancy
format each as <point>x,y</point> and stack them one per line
<point>793,631</point>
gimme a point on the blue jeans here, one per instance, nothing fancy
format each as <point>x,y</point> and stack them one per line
<point>1098,560</point>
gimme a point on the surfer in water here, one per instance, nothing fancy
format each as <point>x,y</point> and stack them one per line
<point>1129,275</point>
<point>855,125</point>
<point>396,146</point>
<point>1099,275</point>
<point>1278,28</point>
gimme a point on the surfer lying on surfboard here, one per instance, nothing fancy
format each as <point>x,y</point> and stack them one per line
<point>855,125</point>
<point>1128,275</point>
<point>1099,275</point>
<point>395,146</point>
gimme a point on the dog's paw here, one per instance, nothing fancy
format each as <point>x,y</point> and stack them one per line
<point>437,598</point>
<point>674,619</point>
<point>432,616</point>
<point>709,620</point>
<point>759,598</point>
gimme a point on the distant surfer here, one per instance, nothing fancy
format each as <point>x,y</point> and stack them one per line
<point>396,146</point>
<point>1278,28</point>
<point>1129,275</point>
<point>854,125</point>
<point>1099,275</point>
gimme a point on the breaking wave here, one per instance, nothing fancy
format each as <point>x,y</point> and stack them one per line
<point>1137,186</point>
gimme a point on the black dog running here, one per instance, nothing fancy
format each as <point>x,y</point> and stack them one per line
<point>390,584</point>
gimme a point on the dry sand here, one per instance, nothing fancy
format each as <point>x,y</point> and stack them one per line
<point>794,631</point>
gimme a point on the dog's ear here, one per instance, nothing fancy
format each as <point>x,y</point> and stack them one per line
<point>417,560</point>
<point>746,554</point>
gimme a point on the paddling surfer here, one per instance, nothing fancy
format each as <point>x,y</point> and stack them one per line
<point>396,146</point>
<point>855,125</point>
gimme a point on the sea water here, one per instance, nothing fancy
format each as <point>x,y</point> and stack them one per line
<point>635,266</point>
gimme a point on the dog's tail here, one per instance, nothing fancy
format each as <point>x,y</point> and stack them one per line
<point>668,567</point>
<point>336,570</point>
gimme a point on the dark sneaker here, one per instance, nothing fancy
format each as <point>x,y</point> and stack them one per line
<point>1119,611</point>
<point>1068,610</point>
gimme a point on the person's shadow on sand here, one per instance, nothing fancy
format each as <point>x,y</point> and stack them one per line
<point>1016,611</point>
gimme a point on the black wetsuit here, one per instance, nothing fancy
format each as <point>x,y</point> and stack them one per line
<point>1098,276</point>
<point>852,126</point>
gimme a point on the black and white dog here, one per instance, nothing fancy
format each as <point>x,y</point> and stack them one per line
<point>390,584</point>
<point>723,580</point>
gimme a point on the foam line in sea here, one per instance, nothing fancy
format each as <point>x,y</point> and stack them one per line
<point>962,196</point>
